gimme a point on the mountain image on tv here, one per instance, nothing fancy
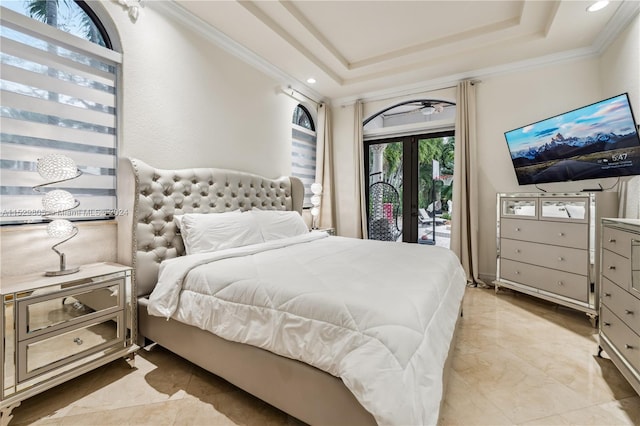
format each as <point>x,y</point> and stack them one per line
<point>596,141</point>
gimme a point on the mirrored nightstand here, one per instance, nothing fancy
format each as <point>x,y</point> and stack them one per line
<point>56,328</point>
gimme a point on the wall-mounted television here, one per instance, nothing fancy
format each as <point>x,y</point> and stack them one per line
<point>596,141</point>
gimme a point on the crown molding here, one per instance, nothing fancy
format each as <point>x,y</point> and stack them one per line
<point>623,16</point>
<point>479,74</point>
<point>217,37</point>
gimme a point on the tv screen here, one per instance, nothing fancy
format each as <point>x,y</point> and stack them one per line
<point>596,141</point>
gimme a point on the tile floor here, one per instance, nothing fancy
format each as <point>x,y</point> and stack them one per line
<point>518,360</point>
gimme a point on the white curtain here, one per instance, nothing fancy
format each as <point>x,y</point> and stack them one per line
<point>358,157</point>
<point>324,168</point>
<point>464,228</point>
<point>629,196</point>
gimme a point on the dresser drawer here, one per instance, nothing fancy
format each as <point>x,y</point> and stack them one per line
<point>56,349</point>
<point>616,268</point>
<point>574,235</point>
<point>561,258</point>
<point>619,301</point>
<point>621,336</point>
<point>617,241</point>
<point>562,283</point>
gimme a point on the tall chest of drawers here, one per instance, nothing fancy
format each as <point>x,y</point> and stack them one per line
<point>547,245</point>
<point>620,296</point>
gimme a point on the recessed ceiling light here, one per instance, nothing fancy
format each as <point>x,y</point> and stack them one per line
<point>597,6</point>
<point>311,80</point>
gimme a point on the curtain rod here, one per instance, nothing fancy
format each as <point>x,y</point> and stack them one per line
<point>396,95</point>
<point>294,91</point>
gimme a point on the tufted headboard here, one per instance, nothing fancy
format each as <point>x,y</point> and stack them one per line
<point>147,235</point>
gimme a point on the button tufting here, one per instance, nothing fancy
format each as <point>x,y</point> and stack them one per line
<point>210,182</point>
<point>185,193</point>
<point>196,205</point>
<point>176,178</point>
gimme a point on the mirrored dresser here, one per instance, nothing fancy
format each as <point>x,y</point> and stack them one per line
<point>547,245</point>
<point>56,328</point>
<point>620,296</point>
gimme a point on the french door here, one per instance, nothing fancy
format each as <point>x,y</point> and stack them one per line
<point>409,188</point>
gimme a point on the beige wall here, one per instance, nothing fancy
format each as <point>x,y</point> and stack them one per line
<point>620,72</point>
<point>185,103</point>
<point>514,100</point>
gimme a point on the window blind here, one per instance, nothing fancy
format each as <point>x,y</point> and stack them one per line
<point>58,95</point>
<point>303,159</point>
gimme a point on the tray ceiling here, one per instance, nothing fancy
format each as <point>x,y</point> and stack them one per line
<point>353,48</point>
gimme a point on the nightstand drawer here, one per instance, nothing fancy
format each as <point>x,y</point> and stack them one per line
<point>560,258</point>
<point>574,235</point>
<point>53,350</point>
<point>48,312</point>
<point>616,268</point>
<point>622,337</point>
<point>625,306</point>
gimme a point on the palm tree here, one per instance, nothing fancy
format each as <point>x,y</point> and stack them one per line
<point>47,11</point>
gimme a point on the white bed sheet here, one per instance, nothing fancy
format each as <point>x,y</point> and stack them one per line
<point>379,315</point>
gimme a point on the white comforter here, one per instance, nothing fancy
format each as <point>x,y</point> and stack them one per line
<point>378,315</point>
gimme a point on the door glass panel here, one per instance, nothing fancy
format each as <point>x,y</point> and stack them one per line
<point>385,191</point>
<point>435,190</point>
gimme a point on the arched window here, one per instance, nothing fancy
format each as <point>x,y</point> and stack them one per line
<point>59,96</point>
<point>303,150</point>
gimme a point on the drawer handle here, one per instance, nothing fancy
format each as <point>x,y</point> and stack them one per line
<point>607,295</point>
<point>612,268</point>
<point>561,259</point>
<point>560,283</point>
<point>612,240</point>
<point>517,272</point>
<point>628,312</point>
<point>629,346</point>
<point>517,229</point>
<point>517,250</point>
<point>560,234</point>
<point>606,324</point>
<point>78,341</point>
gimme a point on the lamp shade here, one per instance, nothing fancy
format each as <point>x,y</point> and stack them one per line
<point>60,228</point>
<point>315,211</point>
<point>58,200</point>
<point>57,167</point>
<point>315,200</point>
<point>316,188</point>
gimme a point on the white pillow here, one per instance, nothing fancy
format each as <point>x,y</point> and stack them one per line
<point>276,224</point>
<point>177,218</point>
<point>218,231</point>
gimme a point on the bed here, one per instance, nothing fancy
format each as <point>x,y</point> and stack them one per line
<point>331,330</point>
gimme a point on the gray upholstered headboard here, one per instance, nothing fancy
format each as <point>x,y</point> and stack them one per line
<point>148,235</point>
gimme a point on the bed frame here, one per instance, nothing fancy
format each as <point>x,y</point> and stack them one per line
<point>148,235</point>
